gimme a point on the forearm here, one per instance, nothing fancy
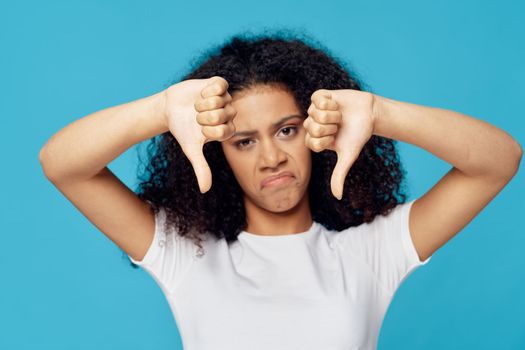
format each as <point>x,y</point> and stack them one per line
<point>83,148</point>
<point>471,145</point>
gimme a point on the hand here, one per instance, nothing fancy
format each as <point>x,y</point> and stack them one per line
<point>199,111</point>
<point>341,121</point>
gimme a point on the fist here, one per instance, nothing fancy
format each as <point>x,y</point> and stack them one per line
<point>341,121</point>
<point>199,111</point>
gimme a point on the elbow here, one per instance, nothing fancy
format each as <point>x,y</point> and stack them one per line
<point>41,155</point>
<point>44,163</point>
<point>516,160</point>
<point>510,163</point>
<point>519,155</point>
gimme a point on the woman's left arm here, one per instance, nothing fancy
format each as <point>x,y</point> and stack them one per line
<point>484,158</point>
<point>472,146</point>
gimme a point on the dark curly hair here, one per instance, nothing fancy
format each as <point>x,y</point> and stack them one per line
<point>371,187</point>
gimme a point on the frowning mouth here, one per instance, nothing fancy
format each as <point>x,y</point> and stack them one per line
<point>280,179</point>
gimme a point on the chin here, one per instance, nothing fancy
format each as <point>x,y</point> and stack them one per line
<point>282,203</point>
<point>282,206</point>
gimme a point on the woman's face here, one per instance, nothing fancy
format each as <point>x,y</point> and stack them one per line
<point>269,140</point>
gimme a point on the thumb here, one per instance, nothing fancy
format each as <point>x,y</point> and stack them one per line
<point>343,165</point>
<point>200,166</point>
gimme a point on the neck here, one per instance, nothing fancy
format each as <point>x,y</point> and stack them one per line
<point>263,222</point>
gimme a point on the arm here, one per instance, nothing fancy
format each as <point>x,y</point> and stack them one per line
<point>75,158</point>
<point>484,160</point>
<point>472,146</point>
<point>83,148</point>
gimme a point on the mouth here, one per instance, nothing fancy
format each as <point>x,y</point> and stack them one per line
<point>282,178</point>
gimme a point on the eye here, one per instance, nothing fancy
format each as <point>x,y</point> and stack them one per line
<point>290,127</point>
<point>242,143</point>
<point>288,131</point>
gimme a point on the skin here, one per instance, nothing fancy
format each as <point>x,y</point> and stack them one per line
<point>270,210</point>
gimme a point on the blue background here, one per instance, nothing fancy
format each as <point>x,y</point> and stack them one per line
<point>66,286</point>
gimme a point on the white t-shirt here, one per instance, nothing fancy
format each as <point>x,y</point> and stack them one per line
<point>318,289</point>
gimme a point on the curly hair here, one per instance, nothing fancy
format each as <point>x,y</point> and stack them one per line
<point>302,65</point>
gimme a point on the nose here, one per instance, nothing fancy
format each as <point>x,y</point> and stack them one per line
<point>271,155</point>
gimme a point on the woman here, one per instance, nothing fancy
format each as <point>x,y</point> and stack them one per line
<point>290,231</point>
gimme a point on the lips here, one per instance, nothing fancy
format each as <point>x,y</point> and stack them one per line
<point>273,177</point>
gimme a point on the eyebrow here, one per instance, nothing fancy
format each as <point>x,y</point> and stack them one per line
<point>274,126</point>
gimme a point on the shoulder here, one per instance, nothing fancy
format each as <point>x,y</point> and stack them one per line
<point>382,225</point>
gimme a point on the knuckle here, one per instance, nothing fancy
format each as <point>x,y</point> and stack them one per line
<point>219,132</point>
<point>225,132</point>
<point>312,146</point>
<point>211,132</point>
<point>317,146</point>
<point>223,83</point>
<point>317,130</point>
<point>201,118</point>
<point>222,87</point>
<point>214,89</point>
<point>198,105</point>
<point>214,102</point>
<point>324,117</point>
<point>314,95</point>
<point>205,130</point>
<point>215,117</point>
<point>310,109</point>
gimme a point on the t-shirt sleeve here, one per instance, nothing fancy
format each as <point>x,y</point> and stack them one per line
<point>169,255</point>
<point>385,244</point>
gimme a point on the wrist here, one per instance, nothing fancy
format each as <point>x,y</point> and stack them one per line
<point>377,111</point>
<point>159,109</point>
<point>385,111</point>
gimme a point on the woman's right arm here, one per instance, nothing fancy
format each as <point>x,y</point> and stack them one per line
<point>195,111</point>
<point>75,159</point>
<point>83,148</point>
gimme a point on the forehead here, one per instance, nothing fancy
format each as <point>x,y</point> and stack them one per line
<point>262,105</point>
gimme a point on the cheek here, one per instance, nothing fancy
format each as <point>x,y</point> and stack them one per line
<point>300,150</point>
<point>304,157</point>
<point>240,164</point>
